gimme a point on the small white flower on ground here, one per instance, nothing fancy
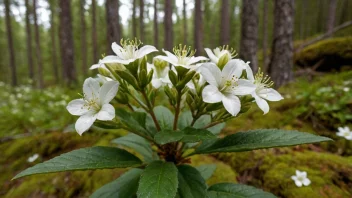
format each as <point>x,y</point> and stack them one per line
<point>346,89</point>
<point>263,91</point>
<point>219,52</point>
<point>224,86</point>
<point>345,132</point>
<point>32,158</point>
<point>300,178</point>
<point>160,74</point>
<point>94,105</point>
<point>183,56</point>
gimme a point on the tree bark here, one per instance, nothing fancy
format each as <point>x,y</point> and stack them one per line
<point>303,18</point>
<point>83,38</point>
<point>66,42</point>
<point>141,18</point>
<point>53,42</point>
<point>265,35</point>
<point>281,63</point>
<point>94,32</point>
<point>156,29</point>
<point>330,23</point>
<point>168,25</point>
<point>198,27</point>
<point>225,23</point>
<point>249,33</point>
<point>10,43</point>
<point>29,42</point>
<point>134,20</point>
<point>184,23</point>
<point>112,16</point>
<point>38,48</point>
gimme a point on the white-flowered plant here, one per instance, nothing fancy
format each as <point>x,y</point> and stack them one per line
<point>223,54</point>
<point>344,132</point>
<point>301,178</point>
<point>175,107</point>
<point>33,158</point>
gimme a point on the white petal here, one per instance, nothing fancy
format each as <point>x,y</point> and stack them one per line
<point>116,48</point>
<point>249,72</point>
<point>108,91</point>
<point>306,182</point>
<point>95,66</point>
<point>85,122</point>
<point>233,68</point>
<point>211,94</point>
<point>171,56</point>
<point>270,94</point>
<point>147,49</point>
<point>91,88</point>
<point>262,104</point>
<point>294,177</point>
<point>298,183</point>
<point>211,55</point>
<point>232,104</point>
<point>244,87</point>
<point>76,107</point>
<point>157,83</point>
<point>167,59</point>
<point>193,59</point>
<point>110,59</point>
<point>211,73</point>
<point>107,112</point>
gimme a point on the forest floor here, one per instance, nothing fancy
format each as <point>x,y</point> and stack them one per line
<point>318,106</point>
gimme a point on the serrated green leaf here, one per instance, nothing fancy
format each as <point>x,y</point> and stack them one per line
<point>206,170</point>
<point>85,159</point>
<point>158,180</point>
<point>188,135</point>
<point>167,136</point>
<point>229,190</point>
<point>164,117</point>
<point>137,143</point>
<point>135,121</point>
<point>258,139</point>
<point>191,183</point>
<point>125,186</point>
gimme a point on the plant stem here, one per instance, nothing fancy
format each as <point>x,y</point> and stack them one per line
<point>177,110</point>
<point>150,110</point>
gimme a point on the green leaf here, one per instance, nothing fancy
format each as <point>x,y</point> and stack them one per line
<point>188,135</point>
<point>85,159</point>
<point>159,180</point>
<point>202,121</point>
<point>184,120</point>
<point>229,190</point>
<point>125,186</point>
<point>191,183</point>
<point>164,117</point>
<point>137,143</point>
<point>206,170</point>
<point>258,139</point>
<point>135,121</point>
<point>167,136</point>
<point>216,129</point>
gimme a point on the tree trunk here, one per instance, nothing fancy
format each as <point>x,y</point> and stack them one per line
<point>344,12</point>
<point>53,41</point>
<point>66,42</point>
<point>168,25</point>
<point>303,18</point>
<point>225,23</point>
<point>249,33</point>
<point>10,43</point>
<point>94,32</point>
<point>29,41</point>
<point>141,18</point>
<point>198,27</point>
<point>184,23</point>
<point>265,35</point>
<point>134,20</point>
<point>156,29</point>
<point>112,16</point>
<point>330,23</point>
<point>38,49</point>
<point>83,38</point>
<point>281,63</point>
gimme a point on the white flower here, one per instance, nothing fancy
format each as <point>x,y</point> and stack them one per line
<point>183,57</point>
<point>94,105</point>
<point>225,85</point>
<point>263,91</point>
<point>160,75</point>
<point>33,158</point>
<point>345,132</point>
<point>220,52</point>
<point>300,178</point>
<point>103,79</point>
<point>128,52</point>
<point>346,89</point>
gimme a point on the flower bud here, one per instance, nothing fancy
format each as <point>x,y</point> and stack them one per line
<point>116,66</point>
<point>103,71</point>
<point>223,60</point>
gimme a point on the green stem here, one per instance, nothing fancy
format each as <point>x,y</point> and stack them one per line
<point>150,110</point>
<point>177,110</point>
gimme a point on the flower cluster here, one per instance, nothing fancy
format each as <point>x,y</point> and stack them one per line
<point>221,86</point>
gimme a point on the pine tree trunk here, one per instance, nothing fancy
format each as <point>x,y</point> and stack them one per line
<point>198,27</point>
<point>134,20</point>
<point>249,33</point>
<point>225,23</point>
<point>66,42</point>
<point>331,16</point>
<point>112,16</point>
<point>94,32</point>
<point>184,23</point>
<point>156,29</point>
<point>281,63</point>
<point>10,43</point>
<point>141,18</point>
<point>83,38</point>
<point>53,42</point>
<point>168,25</point>
<point>29,42</point>
<point>37,46</point>
<point>265,35</point>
